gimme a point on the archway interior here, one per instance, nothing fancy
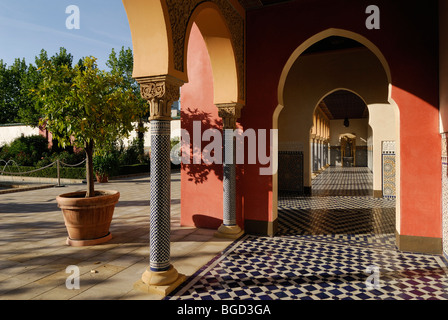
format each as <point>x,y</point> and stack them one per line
<point>340,138</point>
<point>216,35</point>
<point>198,114</point>
<point>336,114</point>
<point>212,80</point>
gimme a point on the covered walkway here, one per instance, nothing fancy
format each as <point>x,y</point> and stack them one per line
<point>334,245</point>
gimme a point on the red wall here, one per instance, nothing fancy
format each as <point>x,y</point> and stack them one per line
<point>420,166</point>
<point>201,185</point>
<point>408,40</point>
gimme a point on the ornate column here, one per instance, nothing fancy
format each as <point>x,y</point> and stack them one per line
<point>229,114</point>
<point>319,154</point>
<point>322,164</point>
<point>160,92</point>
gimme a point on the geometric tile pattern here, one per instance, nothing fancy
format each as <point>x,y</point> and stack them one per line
<point>366,226</point>
<point>160,194</point>
<point>389,168</point>
<point>261,268</point>
<point>444,149</point>
<point>389,189</point>
<point>343,181</point>
<point>445,204</point>
<point>229,180</point>
<point>327,248</point>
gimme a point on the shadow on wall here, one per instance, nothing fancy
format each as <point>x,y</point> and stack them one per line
<point>199,173</point>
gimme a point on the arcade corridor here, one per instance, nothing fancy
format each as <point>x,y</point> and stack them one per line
<point>273,77</point>
<point>326,248</point>
<point>341,205</point>
<point>343,181</point>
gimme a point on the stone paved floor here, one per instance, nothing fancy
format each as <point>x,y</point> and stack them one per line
<point>327,248</point>
<point>34,257</point>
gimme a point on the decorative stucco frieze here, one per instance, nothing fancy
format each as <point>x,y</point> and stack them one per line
<point>180,12</point>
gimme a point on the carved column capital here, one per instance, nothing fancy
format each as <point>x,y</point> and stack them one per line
<point>160,92</point>
<point>229,112</point>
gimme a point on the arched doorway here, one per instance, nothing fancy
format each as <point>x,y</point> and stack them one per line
<point>348,150</point>
<point>160,37</point>
<point>211,102</point>
<point>332,62</point>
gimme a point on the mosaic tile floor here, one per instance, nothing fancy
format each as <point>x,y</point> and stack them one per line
<point>327,248</point>
<point>338,181</point>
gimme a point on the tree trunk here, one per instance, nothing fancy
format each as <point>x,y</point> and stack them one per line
<point>89,170</point>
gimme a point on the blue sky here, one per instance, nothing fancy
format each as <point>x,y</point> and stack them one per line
<point>27,26</point>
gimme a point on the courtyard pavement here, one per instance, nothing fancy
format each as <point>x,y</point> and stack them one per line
<point>331,246</point>
<point>34,256</point>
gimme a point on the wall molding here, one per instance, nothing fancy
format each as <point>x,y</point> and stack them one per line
<point>418,244</point>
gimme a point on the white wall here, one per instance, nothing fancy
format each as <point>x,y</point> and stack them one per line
<point>175,133</point>
<point>358,127</point>
<point>10,133</point>
<point>370,148</point>
<point>383,123</point>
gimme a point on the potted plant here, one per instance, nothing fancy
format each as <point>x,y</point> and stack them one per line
<point>86,107</point>
<point>104,165</point>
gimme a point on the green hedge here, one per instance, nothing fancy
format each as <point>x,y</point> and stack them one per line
<point>74,173</point>
<point>66,172</point>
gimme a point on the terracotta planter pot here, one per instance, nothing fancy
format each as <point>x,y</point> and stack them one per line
<point>88,219</point>
<point>102,178</point>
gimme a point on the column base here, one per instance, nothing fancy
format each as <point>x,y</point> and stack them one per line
<point>161,283</point>
<point>229,232</point>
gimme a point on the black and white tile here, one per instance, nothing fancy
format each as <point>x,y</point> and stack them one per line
<point>327,248</point>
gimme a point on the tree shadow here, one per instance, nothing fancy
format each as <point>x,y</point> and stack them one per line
<point>199,173</point>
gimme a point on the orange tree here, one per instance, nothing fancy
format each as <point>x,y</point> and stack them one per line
<point>86,107</point>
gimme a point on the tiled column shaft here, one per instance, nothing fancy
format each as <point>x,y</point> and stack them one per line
<point>312,155</point>
<point>319,155</point>
<point>229,179</point>
<point>160,195</point>
<point>229,114</point>
<point>322,164</point>
<point>445,194</point>
<point>160,92</point>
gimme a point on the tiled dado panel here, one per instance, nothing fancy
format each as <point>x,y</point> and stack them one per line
<point>445,194</point>
<point>389,166</point>
<point>290,171</point>
<point>361,156</point>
